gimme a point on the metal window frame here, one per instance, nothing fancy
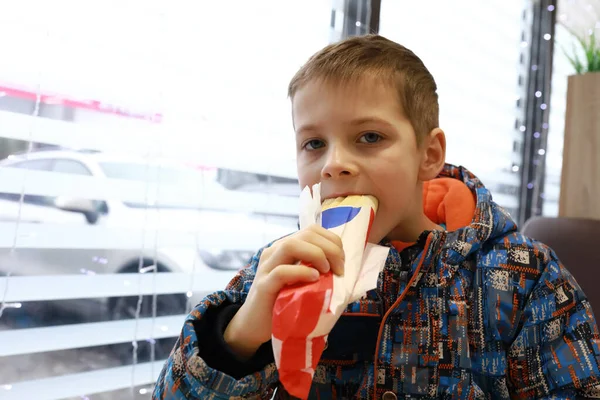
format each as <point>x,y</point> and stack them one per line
<point>537,109</point>
<point>354,18</point>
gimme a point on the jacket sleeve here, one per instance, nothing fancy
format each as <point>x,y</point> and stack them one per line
<point>555,353</point>
<point>186,375</point>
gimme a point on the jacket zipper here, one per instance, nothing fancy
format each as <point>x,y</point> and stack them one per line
<point>396,303</point>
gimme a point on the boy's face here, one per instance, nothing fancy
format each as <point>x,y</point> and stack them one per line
<point>354,139</point>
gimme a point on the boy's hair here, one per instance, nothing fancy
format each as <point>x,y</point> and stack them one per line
<point>352,59</point>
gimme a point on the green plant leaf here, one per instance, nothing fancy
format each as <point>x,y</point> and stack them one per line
<point>571,59</point>
<point>579,68</point>
<point>591,51</point>
<point>595,64</point>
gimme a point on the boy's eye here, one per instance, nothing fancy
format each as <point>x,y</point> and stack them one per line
<point>370,137</point>
<point>313,144</point>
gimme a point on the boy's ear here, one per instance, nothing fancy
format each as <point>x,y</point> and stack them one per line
<point>433,151</point>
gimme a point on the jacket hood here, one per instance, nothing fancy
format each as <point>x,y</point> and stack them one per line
<point>489,222</point>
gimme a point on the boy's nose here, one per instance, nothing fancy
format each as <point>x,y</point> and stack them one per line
<point>338,164</point>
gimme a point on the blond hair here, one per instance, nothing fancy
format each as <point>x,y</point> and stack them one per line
<point>352,59</point>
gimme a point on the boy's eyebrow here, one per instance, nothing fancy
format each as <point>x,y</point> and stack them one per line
<point>354,122</point>
<point>365,120</point>
<point>306,128</point>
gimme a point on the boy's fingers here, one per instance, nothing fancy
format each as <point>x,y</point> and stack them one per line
<point>332,237</point>
<point>315,245</point>
<point>289,274</point>
<point>333,252</point>
<point>295,250</point>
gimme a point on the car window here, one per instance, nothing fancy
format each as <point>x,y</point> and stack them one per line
<point>37,165</point>
<point>189,179</point>
<point>70,167</point>
<point>150,173</point>
<point>77,168</point>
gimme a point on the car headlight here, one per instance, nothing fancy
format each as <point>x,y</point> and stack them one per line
<point>226,259</point>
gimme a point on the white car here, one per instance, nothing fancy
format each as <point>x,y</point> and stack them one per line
<point>114,214</point>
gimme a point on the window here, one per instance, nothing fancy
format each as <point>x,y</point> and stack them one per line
<point>149,172</point>
<point>173,125</point>
<point>561,69</point>
<point>250,182</point>
<point>475,61</point>
<point>36,165</point>
<point>144,117</point>
<point>70,167</point>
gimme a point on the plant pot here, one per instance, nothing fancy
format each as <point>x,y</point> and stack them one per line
<point>580,181</point>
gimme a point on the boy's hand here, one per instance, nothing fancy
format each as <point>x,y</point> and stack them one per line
<point>278,267</point>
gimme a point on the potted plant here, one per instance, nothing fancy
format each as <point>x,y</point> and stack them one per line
<point>580,181</point>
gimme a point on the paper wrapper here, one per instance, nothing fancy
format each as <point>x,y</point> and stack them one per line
<point>304,314</point>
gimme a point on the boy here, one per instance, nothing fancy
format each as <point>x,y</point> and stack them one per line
<point>465,308</point>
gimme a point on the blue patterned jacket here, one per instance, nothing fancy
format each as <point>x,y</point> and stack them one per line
<point>478,313</point>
